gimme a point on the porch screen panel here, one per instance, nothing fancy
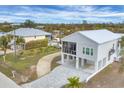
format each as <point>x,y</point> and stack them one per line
<point>69,47</point>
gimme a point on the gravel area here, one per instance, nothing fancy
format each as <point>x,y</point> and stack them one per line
<point>57,78</point>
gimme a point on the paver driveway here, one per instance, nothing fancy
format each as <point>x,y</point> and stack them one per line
<point>57,78</point>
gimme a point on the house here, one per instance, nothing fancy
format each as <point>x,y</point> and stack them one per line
<point>15,24</point>
<point>121,34</point>
<point>92,49</point>
<point>56,38</point>
<point>2,33</point>
<point>30,34</point>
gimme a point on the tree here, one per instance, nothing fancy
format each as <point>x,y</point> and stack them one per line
<point>84,21</point>
<point>20,40</point>
<point>73,82</point>
<point>29,23</point>
<point>122,42</point>
<point>4,44</point>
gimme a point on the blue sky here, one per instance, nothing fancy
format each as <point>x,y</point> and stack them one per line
<point>62,14</point>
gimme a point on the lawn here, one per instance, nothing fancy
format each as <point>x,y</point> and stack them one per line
<point>25,59</point>
<point>108,78</point>
<point>122,52</point>
<point>6,71</point>
<point>111,77</point>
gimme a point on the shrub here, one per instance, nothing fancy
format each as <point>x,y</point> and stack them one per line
<point>36,44</point>
<point>121,68</point>
<point>21,53</point>
<point>122,41</point>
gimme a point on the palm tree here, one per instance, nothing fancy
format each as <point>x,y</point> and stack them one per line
<point>20,40</point>
<point>73,82</point>
<point>4,44</point>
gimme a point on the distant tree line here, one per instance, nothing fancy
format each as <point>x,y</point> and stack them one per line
<point>65,28</point>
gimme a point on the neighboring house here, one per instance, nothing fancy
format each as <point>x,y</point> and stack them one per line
<point>56,38</point>
<point>31,34</point>
<point>40,26</point>
<point>5,82</point>
<point>15,24</point>
<point>121,34</point>
<point>92,49</point>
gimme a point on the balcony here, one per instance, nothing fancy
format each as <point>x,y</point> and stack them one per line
<point>69,47</point>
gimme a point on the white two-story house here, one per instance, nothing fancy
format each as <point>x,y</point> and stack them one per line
<point>91,49</point>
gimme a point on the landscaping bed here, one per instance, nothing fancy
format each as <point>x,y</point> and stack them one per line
<point>25,62</point>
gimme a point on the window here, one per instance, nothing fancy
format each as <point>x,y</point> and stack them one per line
<point>91,51</point>
<point>70,57</point>
<point>83,50</point>
<point>87,51</point>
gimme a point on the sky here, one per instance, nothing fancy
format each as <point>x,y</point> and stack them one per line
<point>62,13</point>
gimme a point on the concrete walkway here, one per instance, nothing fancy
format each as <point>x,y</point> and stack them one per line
<point>44,64</point>
<point>6,82</point>
<point>57,78</point>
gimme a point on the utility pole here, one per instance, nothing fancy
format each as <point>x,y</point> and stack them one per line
<point>14,45</point>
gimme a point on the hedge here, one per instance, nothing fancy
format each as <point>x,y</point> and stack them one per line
<point>36,44</point>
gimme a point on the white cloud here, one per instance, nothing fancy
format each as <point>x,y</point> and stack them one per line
<point>69,13</point>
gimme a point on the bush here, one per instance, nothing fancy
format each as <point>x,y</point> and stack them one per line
<point>122,42</point>
<point>36,44</point>
<point>121,69</point>
<point>21,53</point>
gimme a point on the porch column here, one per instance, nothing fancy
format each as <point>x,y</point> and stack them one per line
<point>72,58</point>
<point>77,62</point>
<point>67,59</point>
<point>82,62</point>
<point>62,58</point>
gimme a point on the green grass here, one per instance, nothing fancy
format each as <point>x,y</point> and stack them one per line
<point>6,71</point>
<point>26,58</point>
<point>122,52</point>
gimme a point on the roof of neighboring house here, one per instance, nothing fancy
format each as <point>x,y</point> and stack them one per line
<point>27,32</point>
<point>2,33</point>
<point>5,82</point>
<point>100,36</point>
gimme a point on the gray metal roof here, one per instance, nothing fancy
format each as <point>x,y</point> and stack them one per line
<point>27,32</point>
<point>100,36</point>
<point>2,34</point>
<point>5,82</point>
